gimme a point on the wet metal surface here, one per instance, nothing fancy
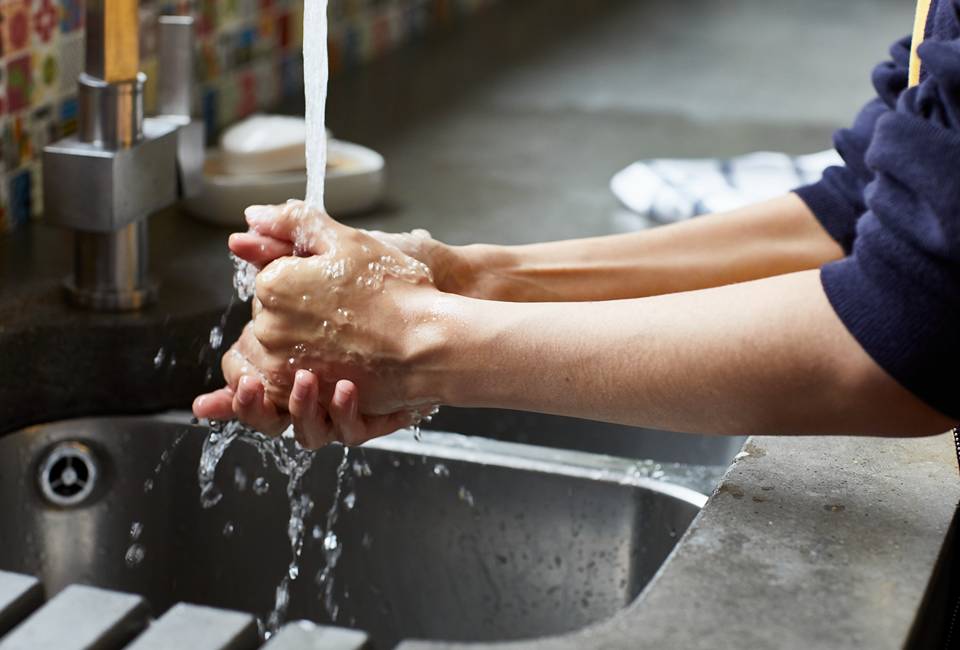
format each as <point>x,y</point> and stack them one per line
<point>445,540</point>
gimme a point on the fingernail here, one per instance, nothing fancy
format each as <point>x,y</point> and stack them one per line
<point>257,212</point>
<point>300,391</point>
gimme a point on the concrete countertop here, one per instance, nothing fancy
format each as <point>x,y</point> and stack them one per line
<point>809,542</point>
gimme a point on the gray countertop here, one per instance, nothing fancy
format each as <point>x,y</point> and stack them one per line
<point>810,542</point>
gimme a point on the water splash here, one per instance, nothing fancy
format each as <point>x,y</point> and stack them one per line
<point>215,445</point>
<point>332,548</point>
<point>465,495</point>
<point>293,462</point>
<point>216,337</point>
<point>244,277</point>
<point>134,555</point>
<point>261,486</point>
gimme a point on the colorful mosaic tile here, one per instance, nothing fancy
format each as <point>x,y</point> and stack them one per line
<point>248,59</point>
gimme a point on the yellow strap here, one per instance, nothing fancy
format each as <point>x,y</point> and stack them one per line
<point>919,32</point>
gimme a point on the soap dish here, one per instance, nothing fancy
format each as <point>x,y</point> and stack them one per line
<point>354,184</point>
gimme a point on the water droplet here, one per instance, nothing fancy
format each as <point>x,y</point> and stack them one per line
<point>134,555</point>
<point>441,470</point>
<point>216,338</point>
<point>159,358</point>
<point>136,529</point>
<point>317,532</point>
<point>330,541</point>
<point>464,495</point>
<point>366,541</point>
<point>210,495</point>
<point>239,479</point>
<point>362,468</point>
<point>229,529</point>
<point>350,500</point>
<point>293,571</point>
<point>261,486</point>
<point>148,485</point>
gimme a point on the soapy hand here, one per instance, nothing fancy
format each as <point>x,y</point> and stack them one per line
<point>331,324</point>
<point>447,264</point>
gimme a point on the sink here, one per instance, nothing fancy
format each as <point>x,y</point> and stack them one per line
<point>587,435</point>
<point>450,537</point>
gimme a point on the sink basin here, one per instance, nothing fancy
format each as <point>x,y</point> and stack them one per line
<point>594,437</point>
<point>451,537</point>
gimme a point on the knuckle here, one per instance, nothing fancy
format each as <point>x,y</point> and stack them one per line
<point>266,332</point>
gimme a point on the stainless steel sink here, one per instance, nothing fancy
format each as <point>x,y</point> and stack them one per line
<point>449,538</point>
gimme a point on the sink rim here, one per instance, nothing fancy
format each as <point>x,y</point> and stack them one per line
<point>448,445</point>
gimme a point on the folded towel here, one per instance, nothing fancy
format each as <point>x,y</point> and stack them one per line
<point>675,189</point>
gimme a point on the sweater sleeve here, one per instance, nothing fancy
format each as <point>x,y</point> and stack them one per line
<point>898,293</point>
<point>837,199</point>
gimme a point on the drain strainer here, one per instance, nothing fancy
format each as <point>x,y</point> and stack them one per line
<point>68,474</point>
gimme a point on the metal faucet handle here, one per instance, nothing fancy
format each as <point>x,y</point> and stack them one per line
<point>175,99</point>
<point>112,40</point>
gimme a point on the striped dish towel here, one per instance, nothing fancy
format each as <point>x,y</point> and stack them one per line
<point>670,190</point>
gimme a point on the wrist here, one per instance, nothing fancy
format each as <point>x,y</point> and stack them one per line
<point>439,347</point>
<point>478,271</point>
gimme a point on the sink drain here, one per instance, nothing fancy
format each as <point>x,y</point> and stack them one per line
<point>68,474</point>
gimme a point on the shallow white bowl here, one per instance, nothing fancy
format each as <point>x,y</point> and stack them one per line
<point>355,183</point>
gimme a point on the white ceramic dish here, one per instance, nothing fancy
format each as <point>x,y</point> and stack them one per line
<point>355,183</point>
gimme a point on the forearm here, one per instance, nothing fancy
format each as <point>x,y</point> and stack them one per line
<point>762,240</point>
<point>765,357</point>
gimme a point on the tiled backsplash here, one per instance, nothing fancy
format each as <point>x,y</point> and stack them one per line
<point>248,59</point>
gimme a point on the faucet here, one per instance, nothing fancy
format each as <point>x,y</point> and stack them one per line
<point>120,167</point>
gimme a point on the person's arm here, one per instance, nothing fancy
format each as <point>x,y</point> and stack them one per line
<point>761,240</point>
<point>769,238</point>
<point>763,357</point>
<point>766,356</point>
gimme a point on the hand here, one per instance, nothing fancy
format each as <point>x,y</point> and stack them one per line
<point>294,331</point>
<point>314,426</point>
<point>451,266</point>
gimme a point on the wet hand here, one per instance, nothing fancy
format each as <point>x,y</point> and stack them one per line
<point>314,425</point>
<point>325,325</point>
<point>449,265</point>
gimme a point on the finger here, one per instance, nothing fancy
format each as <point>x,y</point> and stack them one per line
<point>309,418</point>
<point>217,405</point>
<point>283,222</point>
<point>253,409</point>
<point>292,222</point>
<point>235,365</point>
<point>345,412</point>
<point>258,249</point>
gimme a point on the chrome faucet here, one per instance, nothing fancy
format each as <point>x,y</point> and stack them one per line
<point>121,167</point>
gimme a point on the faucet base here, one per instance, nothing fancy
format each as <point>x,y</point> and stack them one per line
<point>119,301</point>
<point>110,270</point>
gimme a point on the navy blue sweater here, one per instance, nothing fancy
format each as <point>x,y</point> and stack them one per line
<point>895,209</point>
